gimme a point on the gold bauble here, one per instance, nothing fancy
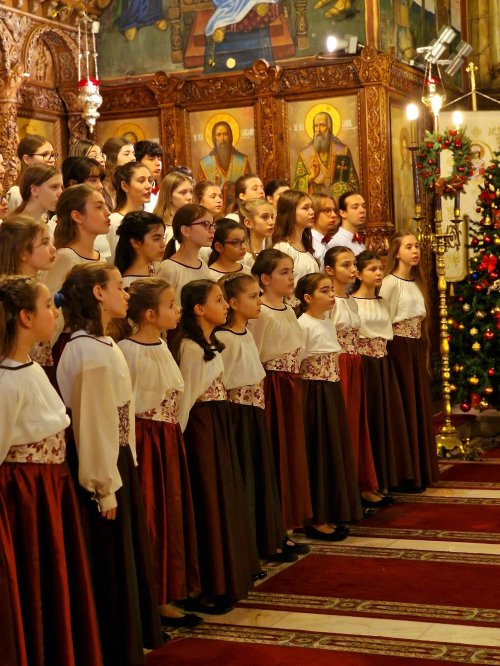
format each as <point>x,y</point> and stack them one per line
<point>473,331</point>
<point>484,404</point>
<point>497,240</point>
<point>476,347</point>
<point>453,388</point>
<point>473,381</point>
<point>488,390</point>
<point>456,368</point>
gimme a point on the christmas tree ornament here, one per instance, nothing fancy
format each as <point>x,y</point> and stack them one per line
<point>488,335</point>
<point>480,314</point>
<point>465,406</point>
<point>476,347</point>
<point>474,275</point>
<point>456,368</point>
<point>473,381</point>
<point>484,404</point>
<point>473,331</point>
<point>466,307</point>
<point>453,388</point>
<point>479,287</point>
<point>491,372</point>
<point>488,390</point>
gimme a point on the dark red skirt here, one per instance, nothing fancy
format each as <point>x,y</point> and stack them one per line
<point>283,394</point>
<point>352,383</point>
<point>255,453</point>
<point>332,472</point>
<point>409,361</point>
<point>12,640</point>
<point>387,423</point>
<point>227,549</point>
<point>122,570</point>
<point>166,487</point>
<point>55,589</point>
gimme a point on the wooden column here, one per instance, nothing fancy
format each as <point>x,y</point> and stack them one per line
<point>10,82</point>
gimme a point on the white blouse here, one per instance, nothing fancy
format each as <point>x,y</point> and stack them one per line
<point>242,366</point>
<point>276,332</point>
<point>375,318</point>
<point>112,237</point>
<point>320,336</point>
<point>403,297</point>
<point>30,409</point>
<point>198,375</point>
<point>94,381</point>
<point>177,275</point>
<point>153,372</point>
<point>303,262</point>
<point>217,275</point>
<point>344,314</point>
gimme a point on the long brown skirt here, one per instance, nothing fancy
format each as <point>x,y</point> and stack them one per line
<point>332,472</point>
<point>352,383</point>
<point>408,359</point>
<point>283,394</point>
<point>122,571</point>
<point>387,423</point>
<point>55,589</point>
<point>255,453</point>
<point>166,487</point>
<point>226,545</point>
<point>12,640</point>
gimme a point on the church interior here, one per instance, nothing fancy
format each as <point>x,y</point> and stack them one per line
<point>396,102</point>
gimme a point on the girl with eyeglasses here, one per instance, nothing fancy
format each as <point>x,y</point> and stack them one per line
<point>33,149</point>
<point>193,228</point>
<point>228,249</point>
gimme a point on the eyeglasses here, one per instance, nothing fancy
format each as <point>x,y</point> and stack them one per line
<point>208,226</point>
<point>46,156</point>
<point>328,211</point>
<point>236,243</point>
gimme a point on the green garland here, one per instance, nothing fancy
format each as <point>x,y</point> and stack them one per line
<point>428,161</point>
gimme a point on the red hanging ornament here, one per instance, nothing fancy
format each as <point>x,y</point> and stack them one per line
<point>465,406</point>
<point>488,335</point>
<point>491,372</point>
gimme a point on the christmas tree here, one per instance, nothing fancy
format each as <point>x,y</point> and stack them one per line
<point>474,311</point>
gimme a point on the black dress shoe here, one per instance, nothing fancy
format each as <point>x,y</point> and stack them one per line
<point>299,548</point>
<point>260,575</point>
<point>369,504</point>
<point>336,535</point>
<point>218,606</point>
<point>286,555</point>
<point>187,621</point>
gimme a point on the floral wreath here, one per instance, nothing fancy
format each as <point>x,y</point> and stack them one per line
<point>428,161</point>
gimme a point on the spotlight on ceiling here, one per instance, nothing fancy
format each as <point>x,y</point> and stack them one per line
<point>463,51</point>
<point>438,45</point>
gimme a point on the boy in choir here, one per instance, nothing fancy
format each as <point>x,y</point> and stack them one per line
<point>352,211</point>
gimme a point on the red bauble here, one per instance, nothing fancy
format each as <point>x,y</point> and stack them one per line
<point>491,372</point>
<point>474,242</point>
<point>465,406</point>
<point>460,299</point>
<point>421,166</point>
<point>447,142</point>
<point>488,335</point>
<point>439,139</point>
<point>458,144</point>
<point>461,169</point>
<point>487,239</point>
<point>453,132</point>
<point>494,276</point>
<point>478,210</point>
<point>436,171</point>
<point>478,287</point>
<point>430,161</point>
<point>429,145</point>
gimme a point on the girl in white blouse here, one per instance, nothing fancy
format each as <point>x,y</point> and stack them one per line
<point>332,473</point>
<point>292,232</point>
<point>228,250</point>
<point>258,218</point>
<point>163,472</point>
<point>340,265</point>
<point>193,228</point>
<point>386,413</point>
<point>228,557</point>
<point>244,381</point>
<point>404,289</point>
<point>52,612</point>
<point>140,246</point>
<point>279,340</point>
<point>95,384</point>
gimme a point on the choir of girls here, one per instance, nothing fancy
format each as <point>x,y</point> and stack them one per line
<point>151,479</point>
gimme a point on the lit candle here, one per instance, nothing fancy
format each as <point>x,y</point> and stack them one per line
<point>412,113</point>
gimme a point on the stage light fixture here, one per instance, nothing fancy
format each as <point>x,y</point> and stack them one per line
<point>464,49</point>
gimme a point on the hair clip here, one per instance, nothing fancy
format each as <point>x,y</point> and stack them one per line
<point>58,299</point>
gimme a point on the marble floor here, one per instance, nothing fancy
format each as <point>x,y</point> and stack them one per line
<point>420,630</point>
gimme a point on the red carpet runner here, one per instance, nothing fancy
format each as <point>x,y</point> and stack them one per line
<point>451,584</point>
